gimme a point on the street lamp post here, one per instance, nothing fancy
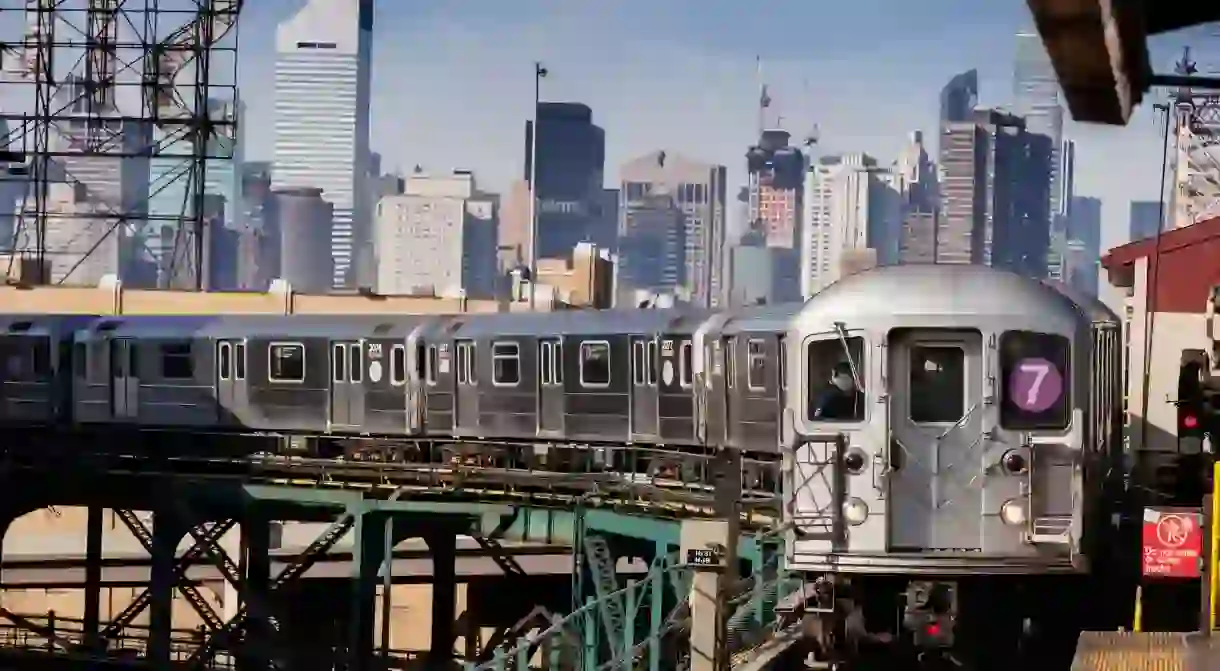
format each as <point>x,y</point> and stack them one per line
<point>539,73</point>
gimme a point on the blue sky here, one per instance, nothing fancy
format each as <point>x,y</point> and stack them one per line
<point>453,79</point>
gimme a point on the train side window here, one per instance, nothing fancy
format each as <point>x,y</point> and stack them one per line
<point>505,364</point>
<point>286,363</point>
<point>1035,373</point>
<point>433,363</point>
<point>651,368</point>
<point>937,391</point>
<point>224,360</point>
<point>398,365</point>
<point>595,364</point>
<point>686,369</point>
<point>239,361</point>
<point>756,360</point>
<point>176,361</point>
<point>833,396</point>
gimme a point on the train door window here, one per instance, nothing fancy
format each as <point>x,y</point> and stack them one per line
<point>639,358</point>
<point>834,368</point>
<point>239,361</point>
<point>224,360</point>
<point>80,360</point>
<point>595,364</point>
<point>464,353</point>
<point>730,363</point>
<point>398,365</point>
<point>756,360</point>
<point>783,365</point>
<point>937,391</point>
<point>338,362</point>
<point>550,363</point>
<point>686,369</point>
<point>286,363</point>
<point>176,361</point>
<point>42,358</point>
<point>432,363</point>
<point>650,367</point>
<point>505,364</point>
<point>1035,391</point>
<point>355,362</point>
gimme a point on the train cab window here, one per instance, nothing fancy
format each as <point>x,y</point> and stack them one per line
<point>756,362</point>
<point>505,364</point>
<point>286,362</point>
<point>595,364</point>
<point>686,364</point>
<point>398,365</point>
<point>937,390</point>
<point>835,375</point>
<point>176,361</point>
<point>1035,387</point>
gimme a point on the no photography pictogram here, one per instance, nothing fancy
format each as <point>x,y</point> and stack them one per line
<point>1174,530</point>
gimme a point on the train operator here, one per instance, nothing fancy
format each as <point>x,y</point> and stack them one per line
<point>841,400</point>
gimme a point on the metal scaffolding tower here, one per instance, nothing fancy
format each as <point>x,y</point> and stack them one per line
<point>1195,151</point>
<point>96,93</point>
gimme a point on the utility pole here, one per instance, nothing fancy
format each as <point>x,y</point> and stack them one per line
<point>539,73</point>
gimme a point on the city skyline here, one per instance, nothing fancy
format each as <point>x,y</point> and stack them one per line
<point>702,100</point>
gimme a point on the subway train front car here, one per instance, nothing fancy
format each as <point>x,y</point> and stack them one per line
<point>948,513</point>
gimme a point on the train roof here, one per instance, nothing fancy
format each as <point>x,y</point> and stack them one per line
<point>938,290</point>
<point>582,322</point>
<point>775,318</point>
<point>1090,305</point>
<point>43,323</point>
<point>254,326</point>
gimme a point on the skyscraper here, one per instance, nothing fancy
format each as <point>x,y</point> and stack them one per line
<point>775,204</point>
<point>918,193</point>
<point>651,186</point>
<point>1036,99</point>
<point>322,81</point>
<point>959,97</point>
<point>1084,243</point>
<point>571,167</point>
<point>1145,219</point>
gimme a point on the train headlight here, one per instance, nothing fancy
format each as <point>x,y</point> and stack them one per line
<point>855,511</point>
<point>1012,513</point>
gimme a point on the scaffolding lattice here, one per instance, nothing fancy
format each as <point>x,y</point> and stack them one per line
<point>94,92</point>
<point>1195,151</point>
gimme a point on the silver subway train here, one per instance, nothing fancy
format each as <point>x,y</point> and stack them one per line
<point>944,429</point>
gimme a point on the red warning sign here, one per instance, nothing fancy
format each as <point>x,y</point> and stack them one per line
<point>1173,542</point>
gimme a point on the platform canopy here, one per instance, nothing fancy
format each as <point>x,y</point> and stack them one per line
<point>1099,48</point>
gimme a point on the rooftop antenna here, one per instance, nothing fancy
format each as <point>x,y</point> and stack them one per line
<point>764,99</point>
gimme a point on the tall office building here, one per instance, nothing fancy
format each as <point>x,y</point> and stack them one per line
<point>852,205</point>
<point>775,203</point>
<point>993,194</point>
<point>322,81</point>
<point>917,187</point>
<point>1084,243</point>
<point>571,167</point>
<point>1145,219</point>
<point>1036,99</point>
<point>959,97</point>
<point>651,186</point>
<point>438,237</point>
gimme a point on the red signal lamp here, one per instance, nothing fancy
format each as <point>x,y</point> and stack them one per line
<point>932,629</point>
<point>1190,422</point>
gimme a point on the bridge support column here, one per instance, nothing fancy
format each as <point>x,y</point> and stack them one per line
<point>444,598</point>
<point>93,578</point>
<point>368,539</point>
<point>254,590</point>
<point>167,530</point>
<point>709,547</point>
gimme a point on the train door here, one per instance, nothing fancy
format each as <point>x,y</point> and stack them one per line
<point>716,412</point>
<point>936,383</point>
<point>755,402</point>
<point>417,373</point>
<point>466,387</point>
<point>231,393</point>
<point>550,386</point>
<point>347,383</point>
<point>644,418</point>
<point>124,378</point>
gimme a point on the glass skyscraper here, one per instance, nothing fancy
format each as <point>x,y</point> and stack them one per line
<point>322,81</point>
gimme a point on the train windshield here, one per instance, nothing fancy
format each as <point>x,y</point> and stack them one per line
<point>835,377</point>
<point>1036,378</point>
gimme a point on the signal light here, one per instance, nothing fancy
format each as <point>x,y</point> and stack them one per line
<point>1190,422</point>
<point>933,629</point>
